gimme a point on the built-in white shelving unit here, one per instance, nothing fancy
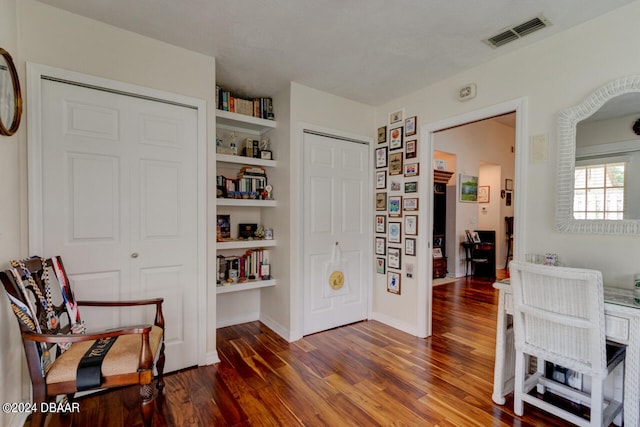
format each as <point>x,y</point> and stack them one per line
<point>244,208</point>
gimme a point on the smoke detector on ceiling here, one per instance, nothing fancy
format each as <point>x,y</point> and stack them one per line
<point>518,31</point>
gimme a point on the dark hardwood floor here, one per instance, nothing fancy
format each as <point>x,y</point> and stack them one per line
<point>364,374</point>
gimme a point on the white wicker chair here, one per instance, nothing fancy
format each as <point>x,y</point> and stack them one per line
<point>559,318</point>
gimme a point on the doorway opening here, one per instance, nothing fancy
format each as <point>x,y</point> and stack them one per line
<point>470,160</point>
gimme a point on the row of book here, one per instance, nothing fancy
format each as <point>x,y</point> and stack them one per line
<point>250,179</point>
<point>256,107</point>
<point>254,264</point>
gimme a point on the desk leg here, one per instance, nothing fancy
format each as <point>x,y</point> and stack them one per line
<point>632,375</point>
<point>503,371</point>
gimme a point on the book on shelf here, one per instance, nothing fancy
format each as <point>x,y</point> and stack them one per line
<point>256,107</point>
<point>238,268</point>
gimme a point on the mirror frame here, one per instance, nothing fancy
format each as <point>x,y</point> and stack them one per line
<point>17,105</point>
<point>567,123</point>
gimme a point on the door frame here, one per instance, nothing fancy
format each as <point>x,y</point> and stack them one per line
<point>35,73</point>
<point>519,105</point>
<point>298,329</point>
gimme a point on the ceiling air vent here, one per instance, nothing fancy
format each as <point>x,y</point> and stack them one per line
<point>517,31</point>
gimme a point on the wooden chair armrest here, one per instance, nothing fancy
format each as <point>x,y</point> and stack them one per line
<point>51,338</point>
<point>129,303</point>
<point>159,320</point>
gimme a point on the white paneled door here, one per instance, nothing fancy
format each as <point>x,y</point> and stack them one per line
<point>337,218</point>
<point>119,201</point>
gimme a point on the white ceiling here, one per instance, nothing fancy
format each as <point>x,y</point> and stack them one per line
<point>371,51</point>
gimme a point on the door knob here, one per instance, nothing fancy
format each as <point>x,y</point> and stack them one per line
<point>134,255</point>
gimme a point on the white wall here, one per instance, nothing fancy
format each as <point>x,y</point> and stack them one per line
<point>553,74</point>
<point>12,246</point>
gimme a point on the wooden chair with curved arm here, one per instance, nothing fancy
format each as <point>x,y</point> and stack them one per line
<point>56,346</point>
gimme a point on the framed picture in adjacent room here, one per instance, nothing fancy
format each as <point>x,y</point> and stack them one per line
<point>381,223</point>
<point>395,139</point>
<point>394,257</point>
<point>483,193</point>
<point>393,282</point>
<point>380,265</point>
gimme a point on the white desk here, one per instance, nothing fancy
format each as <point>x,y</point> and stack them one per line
<point>622,317</point>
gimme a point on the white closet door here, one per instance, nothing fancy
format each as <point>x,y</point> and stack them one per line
<point>119,204</point>
<point>336,209</point>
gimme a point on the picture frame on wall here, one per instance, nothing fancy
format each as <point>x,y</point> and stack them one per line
<point>395,206</point>
<point>393,282</point>
<point>410,126</point>
<point>382,134</point>
<point>381,246</point>
<point>381,180</point>
<point>394,257</point>
<point>483,193</point>
<point>395,164</point>
<point>381,157</point>
<point>508,184</point>
<point>395,232</point>
<point>411,187</point>
<point>411,149</point>
<point>395,185</point>
<point>395,138</point>
<point>437,252</point>
<point>410,204</point>
<point>380,265</point>
<point>396,116</point>
<point>411,225</point>
<point>468,188</point>
<point>381,223</point>
<point>412,169</point>
<point>381,201</point>
<point>440,165</point>
<point>410,246</point>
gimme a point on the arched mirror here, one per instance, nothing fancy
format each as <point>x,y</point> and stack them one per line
<point>599,162</point>
<point>10,97</point>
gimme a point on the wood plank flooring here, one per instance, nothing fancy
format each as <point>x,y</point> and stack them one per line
<point>364,374</point>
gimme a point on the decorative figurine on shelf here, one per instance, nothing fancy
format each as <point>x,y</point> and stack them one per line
<point>265,149</point>
<point>232,145</point>
<point>259,233</point>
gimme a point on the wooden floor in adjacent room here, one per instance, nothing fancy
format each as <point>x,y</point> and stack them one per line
<point>364,374</point>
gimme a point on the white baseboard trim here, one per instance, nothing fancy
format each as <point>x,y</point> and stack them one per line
<point>246,318</point>
<point>277,328</point>
<point>395,323</point>
<point>212,358</point>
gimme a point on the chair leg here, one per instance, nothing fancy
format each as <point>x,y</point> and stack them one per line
<point>160,369</point>
<point>38,417</point>
<point>148,404</point>
<point>597,401</point>
<point>518,385</point>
